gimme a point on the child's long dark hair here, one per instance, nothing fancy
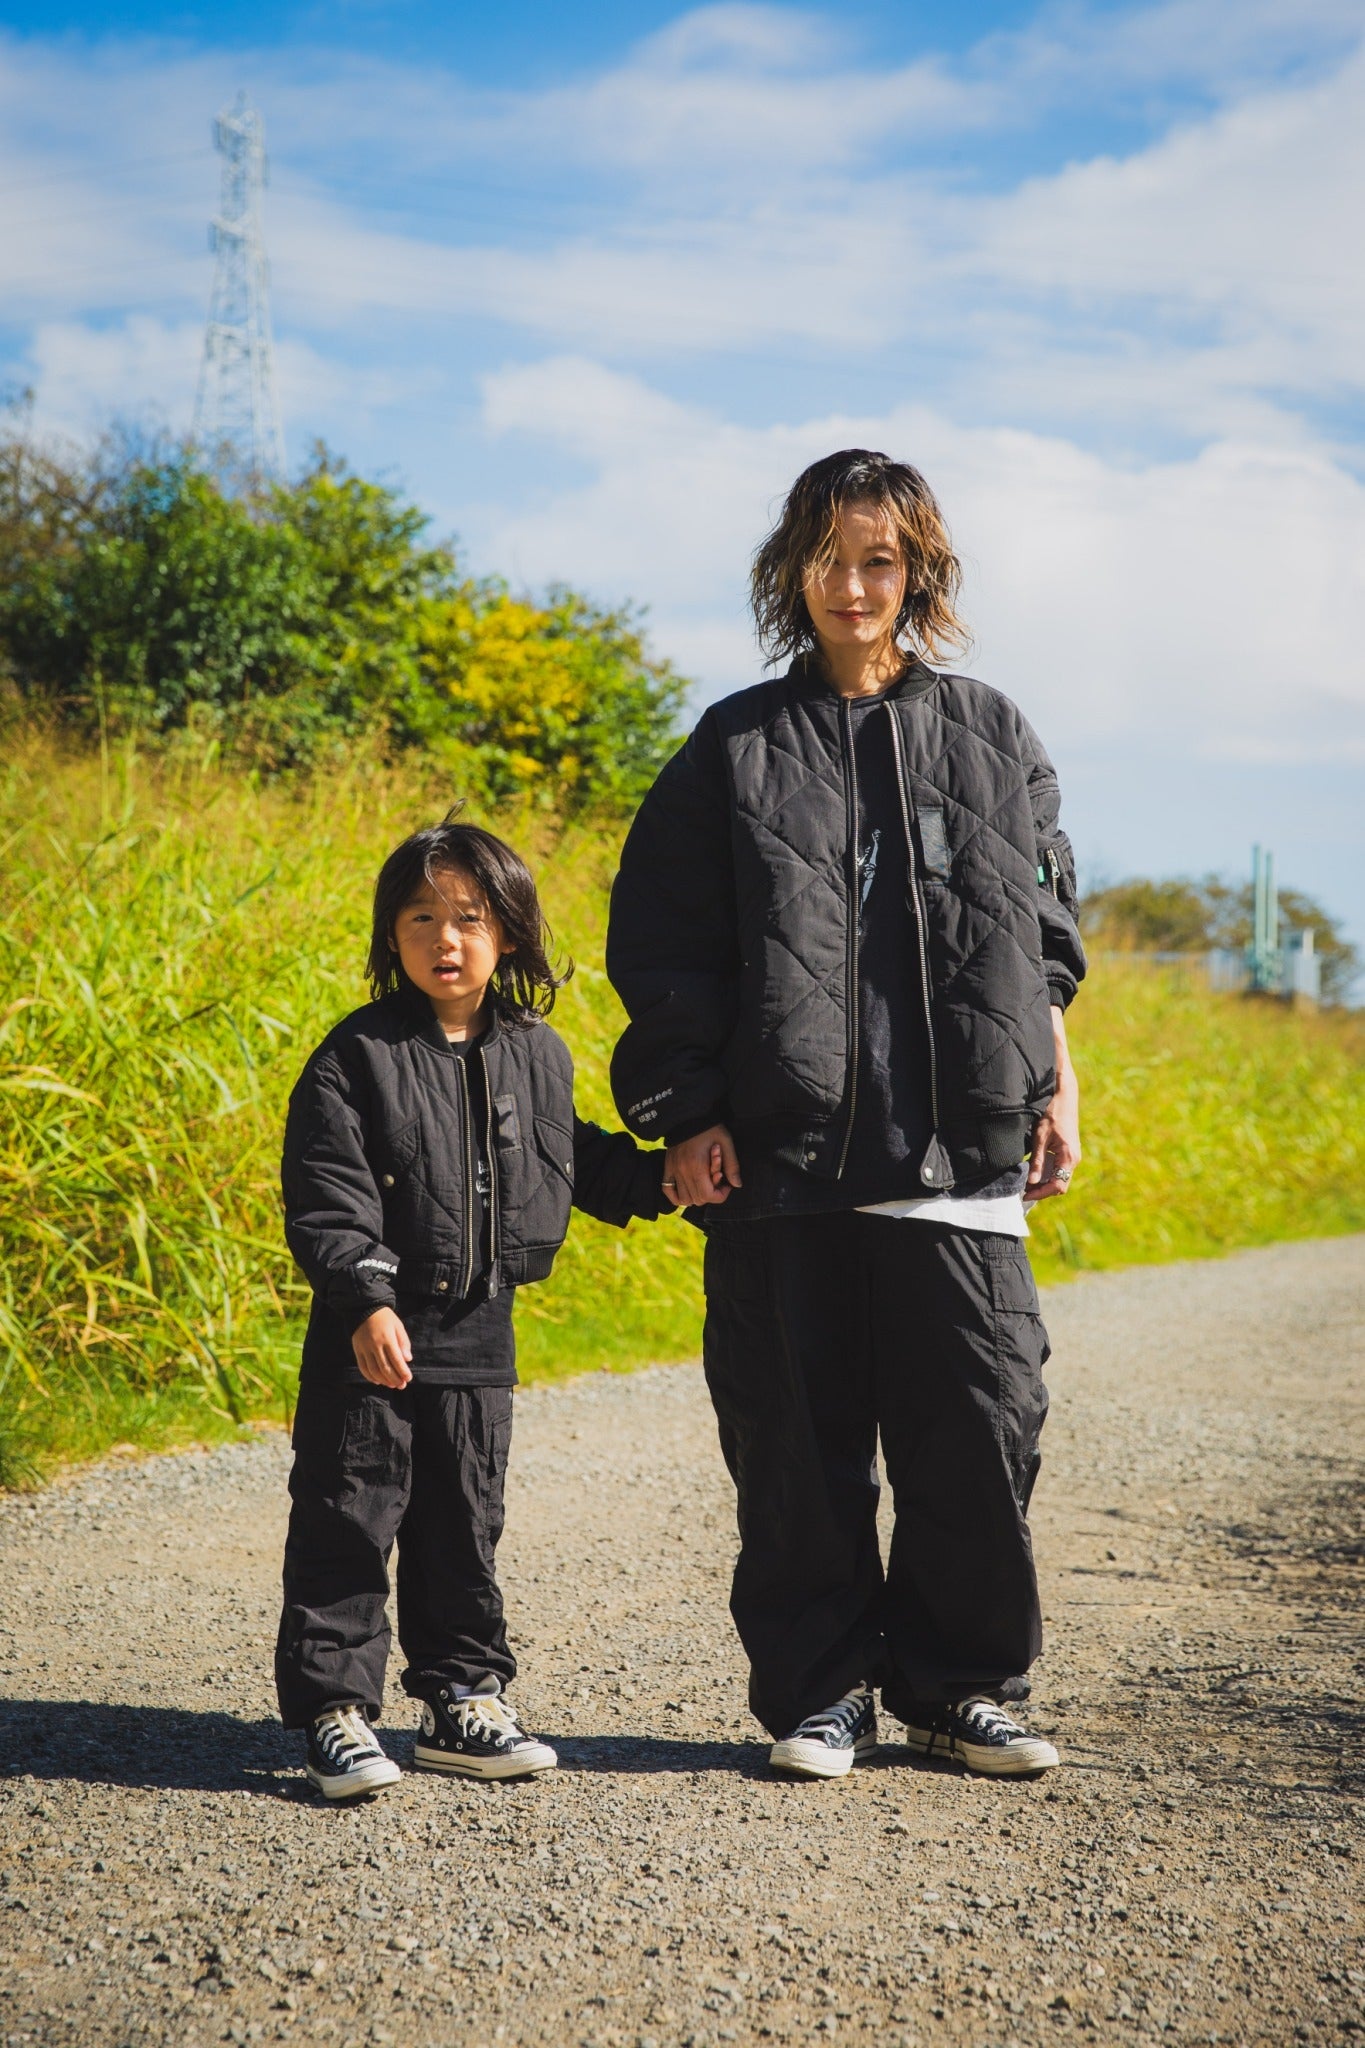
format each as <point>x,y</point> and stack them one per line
<point>524,979</point>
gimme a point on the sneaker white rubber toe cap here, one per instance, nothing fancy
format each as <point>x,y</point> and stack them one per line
<point>367,1778</point>
<point>811,1759</point>
<point>1023,1758</point>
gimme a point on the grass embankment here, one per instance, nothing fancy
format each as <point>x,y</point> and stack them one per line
<point>176,939</point>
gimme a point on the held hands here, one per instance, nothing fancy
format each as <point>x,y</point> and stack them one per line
<point>1057,1140</point>
<point>701,1169</point>
<point>382,1350</point>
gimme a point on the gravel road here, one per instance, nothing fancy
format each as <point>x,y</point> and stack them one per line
<point>1193,1874</point>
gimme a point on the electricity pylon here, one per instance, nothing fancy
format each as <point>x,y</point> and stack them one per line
<point>237,409</point>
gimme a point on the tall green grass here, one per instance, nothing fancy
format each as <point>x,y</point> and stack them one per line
<point>175,939</point>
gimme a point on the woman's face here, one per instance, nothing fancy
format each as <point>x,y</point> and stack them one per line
<point>856,601</point>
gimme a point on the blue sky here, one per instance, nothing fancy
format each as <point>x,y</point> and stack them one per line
<point>594,282</point>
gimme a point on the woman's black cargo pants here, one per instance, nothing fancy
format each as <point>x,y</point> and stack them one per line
<point>823,1332</point>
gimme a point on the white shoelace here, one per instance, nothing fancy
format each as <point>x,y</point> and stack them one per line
<point>986,1718</point>
<point>835,1720</point>
<point>485,1714</point>
<point>343,1735</point>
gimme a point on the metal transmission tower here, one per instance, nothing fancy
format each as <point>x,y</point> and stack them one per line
<point>1263,954</point>
<point>237,409</point>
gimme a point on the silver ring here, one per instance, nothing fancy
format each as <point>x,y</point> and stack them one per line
<point>668,1183</point>
<point>1062,1173</point>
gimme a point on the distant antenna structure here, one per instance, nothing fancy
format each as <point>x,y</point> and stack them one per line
<point>237,408</point>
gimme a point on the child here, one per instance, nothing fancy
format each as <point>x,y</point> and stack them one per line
<point>431,1156</point>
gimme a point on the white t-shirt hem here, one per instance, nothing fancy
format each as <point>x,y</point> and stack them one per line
<point>1005,1215</point>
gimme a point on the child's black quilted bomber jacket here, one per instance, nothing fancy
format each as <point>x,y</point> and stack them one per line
<point>379,1150</point>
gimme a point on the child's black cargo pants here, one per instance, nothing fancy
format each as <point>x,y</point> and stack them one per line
<point>423,1465</point>
<point>821,1332</point>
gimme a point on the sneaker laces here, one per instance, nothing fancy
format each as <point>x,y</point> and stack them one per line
<point>988,1719</point>
<point>343,1735</point>
<point>836,1720</point>
<point>486,1715</point>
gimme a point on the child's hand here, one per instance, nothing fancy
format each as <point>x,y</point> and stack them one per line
<point>382,1350</point>
<point>701,1169</point>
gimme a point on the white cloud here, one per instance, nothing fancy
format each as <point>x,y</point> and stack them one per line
<point>1242,216</point>
<point>751,180</point>
<point>83,375</point>
<point>1219,600</point>
<point>1191,287</point>
<point>142,369</point>
<point>1219,47</point>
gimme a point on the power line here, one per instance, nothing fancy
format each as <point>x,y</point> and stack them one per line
<point>93,172</point>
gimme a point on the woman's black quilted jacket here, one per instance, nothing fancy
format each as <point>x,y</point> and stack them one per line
<point>732,938</point>
<point>377,1160</point>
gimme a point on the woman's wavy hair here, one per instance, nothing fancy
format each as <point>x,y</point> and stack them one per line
<point>805,539</point>
<point>524,980</point>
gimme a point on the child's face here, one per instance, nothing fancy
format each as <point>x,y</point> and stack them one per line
<point>450,941</point>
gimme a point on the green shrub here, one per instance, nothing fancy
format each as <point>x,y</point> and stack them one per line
<point>138,596</point>
<point>1182,915</point>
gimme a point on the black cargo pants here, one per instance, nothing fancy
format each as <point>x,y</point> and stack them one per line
<point>424,1465</point>
<point>821,1332</point>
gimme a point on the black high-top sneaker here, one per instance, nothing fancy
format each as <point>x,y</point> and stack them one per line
<point>828,1744</point>
<point>344,1759</point>
<point>478,1736</point>
<point>985,1738</point>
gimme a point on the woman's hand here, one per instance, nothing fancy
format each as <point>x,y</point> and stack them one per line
<point>701,1169</point>
<point>1057,1140</point>
<point>382,1350</point>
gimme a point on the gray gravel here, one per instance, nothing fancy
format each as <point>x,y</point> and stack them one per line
<point>1193,1874</point>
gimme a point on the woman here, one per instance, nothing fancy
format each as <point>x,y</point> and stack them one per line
<point>844,933</point>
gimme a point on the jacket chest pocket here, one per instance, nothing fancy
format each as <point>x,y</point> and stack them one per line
<point>506,1122</point>
<point>934,852</point>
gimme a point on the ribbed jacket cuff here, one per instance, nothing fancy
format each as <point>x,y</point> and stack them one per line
<point>690,1126</point>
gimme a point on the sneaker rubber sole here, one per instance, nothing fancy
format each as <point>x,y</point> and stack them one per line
<point>1028,1759</point>
<point>358,1784</point>
<point>525,1762</point>
<point>808,1759</point>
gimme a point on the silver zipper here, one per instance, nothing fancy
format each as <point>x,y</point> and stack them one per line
<point>921,913</point>
<point>1055,866</point>
<point>851,954</point>
<point>493,1233</point>
<point>468,1179</point>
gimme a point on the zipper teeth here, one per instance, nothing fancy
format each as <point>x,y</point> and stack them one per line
<point>494,1235</point>
<point>468,1182</point>
<point>921,915</point>
<point>851,954</point>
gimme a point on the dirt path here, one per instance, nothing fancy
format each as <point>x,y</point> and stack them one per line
<point>1194,1874</point>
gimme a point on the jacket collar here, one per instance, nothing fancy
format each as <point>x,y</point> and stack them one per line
<point>422,1022</point>
<point>807,679</point>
